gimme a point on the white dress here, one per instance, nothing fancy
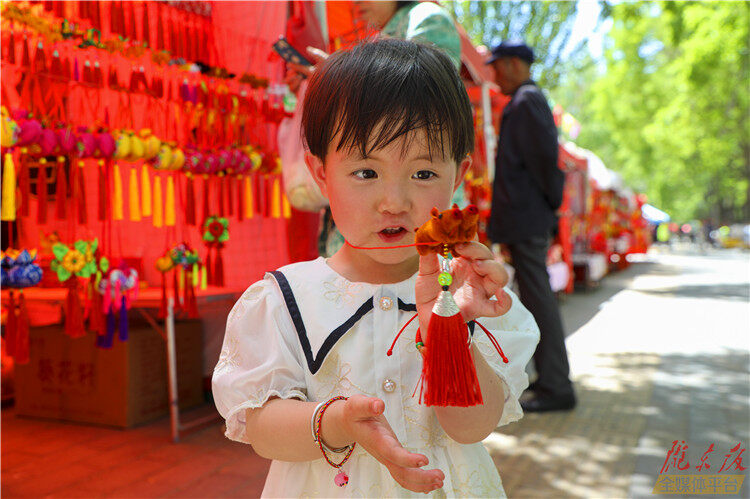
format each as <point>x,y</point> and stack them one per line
<point>306,332</point>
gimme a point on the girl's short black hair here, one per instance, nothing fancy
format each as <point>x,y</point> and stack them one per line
<point>378,91</point>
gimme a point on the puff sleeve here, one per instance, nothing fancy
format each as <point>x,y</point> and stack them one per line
<point>259,359</point>
<point>518,334</point>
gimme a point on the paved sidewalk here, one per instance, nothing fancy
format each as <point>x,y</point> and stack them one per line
<point>658,353</point>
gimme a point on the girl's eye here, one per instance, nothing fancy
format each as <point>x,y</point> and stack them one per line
<point>365,174</point>
<point>424,175</point>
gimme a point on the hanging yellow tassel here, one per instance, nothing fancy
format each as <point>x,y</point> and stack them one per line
<point>195,275</point>
<point>158,211</point>
<point>134,201</point>
<point>117,208</point>
<point>204,277</point>
<point>276,199</point>
<point>169,213</point>
<point>9,190</point>
<point>286,209</point>
<point>249,212</point>
<point>145,191</point>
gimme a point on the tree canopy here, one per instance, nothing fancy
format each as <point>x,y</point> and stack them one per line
<point>545,26</point>
<point>669,109</point>
<point>666,106</point>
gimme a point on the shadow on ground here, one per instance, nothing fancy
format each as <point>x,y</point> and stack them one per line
<point>733,292</point>
<point>631,408</point>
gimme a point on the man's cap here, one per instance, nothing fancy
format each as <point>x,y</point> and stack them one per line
<point>512,49</point>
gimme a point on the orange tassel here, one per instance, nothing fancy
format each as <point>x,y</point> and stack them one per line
<point>117,209</point>
<point>249,202</point>
<point>169,208</point>
<point>448,370</point>
<point>158,211</point>
<point>286,209</point>
<point>145,191</point>
<point>276,199</point>
<point>134,204</point>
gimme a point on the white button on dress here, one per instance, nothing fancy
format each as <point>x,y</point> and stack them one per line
<point>386,303</point>
<point>389,385</point>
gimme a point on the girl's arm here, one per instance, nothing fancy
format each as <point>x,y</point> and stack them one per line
<point>281,430</point>
<point>467,425</point>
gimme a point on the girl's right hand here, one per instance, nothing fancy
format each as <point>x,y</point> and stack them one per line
<point>364,422</point>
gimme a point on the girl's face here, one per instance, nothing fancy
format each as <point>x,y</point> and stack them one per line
<point>381,199</point>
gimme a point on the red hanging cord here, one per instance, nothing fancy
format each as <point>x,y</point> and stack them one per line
<point>390,350</point>
<point>494,341</point>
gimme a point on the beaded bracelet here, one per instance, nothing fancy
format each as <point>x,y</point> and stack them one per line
<point>341,478</point>
<point>315,437</point>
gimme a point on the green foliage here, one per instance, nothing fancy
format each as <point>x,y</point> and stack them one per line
<point>669,108</point>
<point>545,26</point>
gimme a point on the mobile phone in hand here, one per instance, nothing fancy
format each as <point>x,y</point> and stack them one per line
<point>289,53</point>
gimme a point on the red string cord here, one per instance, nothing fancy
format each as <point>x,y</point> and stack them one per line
<point>390,350</point>
<point>390,247</point>
<point>494,341</point>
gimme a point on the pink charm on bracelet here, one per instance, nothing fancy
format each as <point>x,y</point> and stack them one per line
<point>341,479</point>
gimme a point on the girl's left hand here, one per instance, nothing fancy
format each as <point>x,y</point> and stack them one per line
<point>477,277</point>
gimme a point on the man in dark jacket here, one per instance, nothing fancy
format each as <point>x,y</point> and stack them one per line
<point>527,190</point>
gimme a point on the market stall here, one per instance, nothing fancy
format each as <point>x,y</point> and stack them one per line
<point>140,159</point>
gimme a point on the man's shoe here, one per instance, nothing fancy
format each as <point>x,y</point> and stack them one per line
<point>547,403</point>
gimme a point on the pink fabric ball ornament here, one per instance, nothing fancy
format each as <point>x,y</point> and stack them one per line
<point>85,145</point>
<point>66,140</point>
<point>30,132</point>
<point>224,159</point>
<point>107,145</point>
<point>194,162</point>
<point>47,142</point>
<point>211,163</point>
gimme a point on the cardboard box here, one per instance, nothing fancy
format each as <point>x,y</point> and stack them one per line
<point>73,380</point>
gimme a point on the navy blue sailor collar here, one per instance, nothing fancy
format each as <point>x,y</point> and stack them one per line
<point>319,324</point>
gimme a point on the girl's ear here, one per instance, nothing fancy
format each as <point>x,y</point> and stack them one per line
<point>317,170</point>
<point>462,169</point>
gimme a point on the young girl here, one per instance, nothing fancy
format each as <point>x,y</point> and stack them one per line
<point>388,126</point>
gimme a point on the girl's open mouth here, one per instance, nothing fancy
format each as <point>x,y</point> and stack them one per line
<point>392,234</point>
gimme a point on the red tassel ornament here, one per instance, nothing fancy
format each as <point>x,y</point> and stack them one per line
<point>41,192</point>
<point>23,184</point>
<point>73,311</point>
<point>219,267</point>
<point>62,190</point>
<point>190,201</point>
<point>448,370</point>
<point>449,376</point>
